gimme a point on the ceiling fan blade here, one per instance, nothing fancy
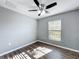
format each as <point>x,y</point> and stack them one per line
<point>36,2</point>
<point>32,10</point>
<point>51,5</point>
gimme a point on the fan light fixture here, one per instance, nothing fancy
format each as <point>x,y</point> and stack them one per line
<point>42,8</point>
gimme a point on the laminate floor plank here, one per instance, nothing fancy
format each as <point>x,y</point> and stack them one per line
<point>40,50</point>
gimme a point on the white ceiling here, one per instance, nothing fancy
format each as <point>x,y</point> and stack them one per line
<point>23,6</point>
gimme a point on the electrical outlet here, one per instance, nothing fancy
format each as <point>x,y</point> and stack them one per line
<point>9,44</point>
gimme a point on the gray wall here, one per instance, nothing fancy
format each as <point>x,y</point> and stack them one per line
<point>70,29</point>
<point>15,30</point>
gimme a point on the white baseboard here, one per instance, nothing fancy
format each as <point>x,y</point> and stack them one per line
<point>17,48</point>
<point>60,46</point>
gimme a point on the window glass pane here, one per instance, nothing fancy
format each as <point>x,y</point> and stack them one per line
<point>55,35</point>
<point>54,25</point>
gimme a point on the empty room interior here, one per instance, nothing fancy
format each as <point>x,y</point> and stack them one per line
<point>39,29</point>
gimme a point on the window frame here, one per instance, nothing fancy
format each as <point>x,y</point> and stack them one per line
<point>54,30</point>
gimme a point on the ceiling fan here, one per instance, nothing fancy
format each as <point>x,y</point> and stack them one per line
<point>42,7</point>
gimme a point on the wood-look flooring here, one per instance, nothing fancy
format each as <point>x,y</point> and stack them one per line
<point>29,52</point>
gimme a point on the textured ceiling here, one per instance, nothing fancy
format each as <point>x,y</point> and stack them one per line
<point>23,6</point>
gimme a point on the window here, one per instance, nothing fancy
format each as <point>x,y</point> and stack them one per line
<point>54,29</point>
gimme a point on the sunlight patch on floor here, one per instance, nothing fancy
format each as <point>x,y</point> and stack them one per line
<point>36,53</point>
<point>39,52</point>
<point>22,55</point>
